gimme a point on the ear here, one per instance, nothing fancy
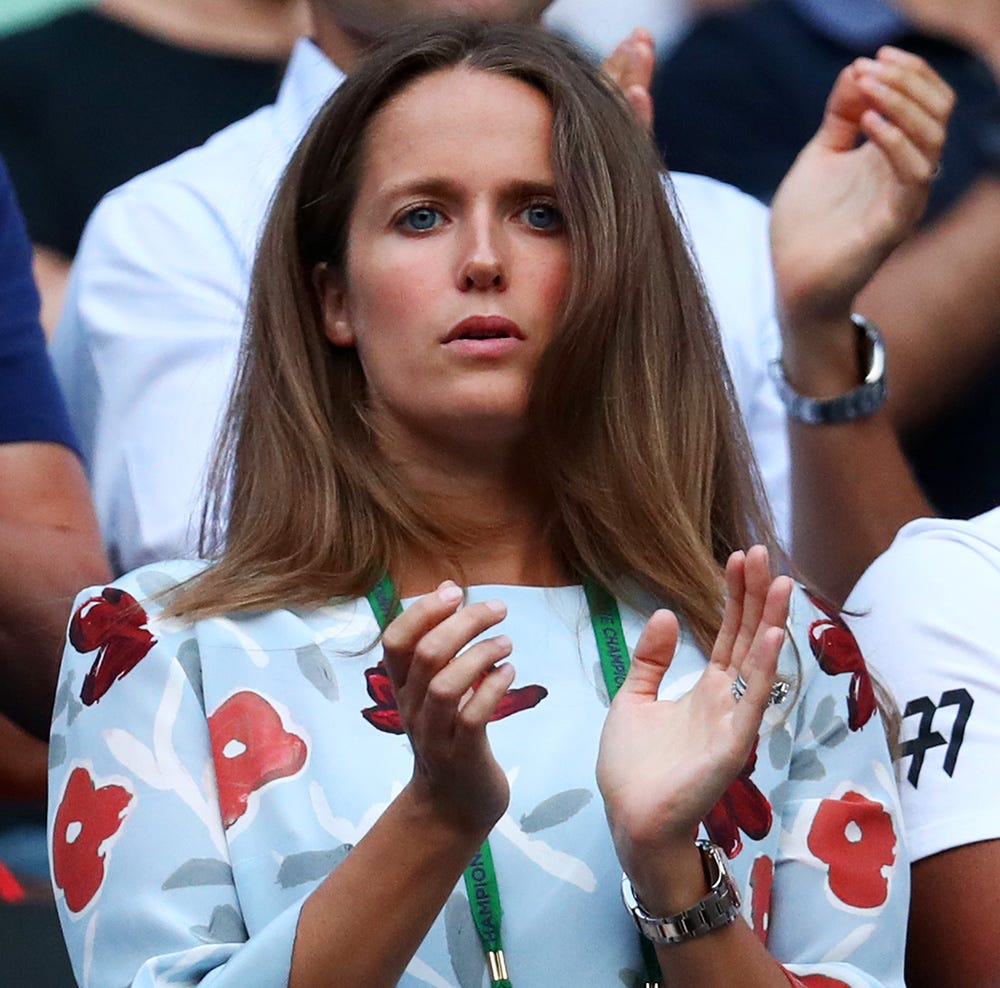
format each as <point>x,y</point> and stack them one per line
<point>332,295</point>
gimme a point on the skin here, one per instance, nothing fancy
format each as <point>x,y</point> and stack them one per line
<point>486,253</point>
<point>51,548</point>
<point>477,252</point>
<point>852,488</point>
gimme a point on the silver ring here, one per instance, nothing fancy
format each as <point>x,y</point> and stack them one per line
<point>739,687</point>
<point>779,691</point>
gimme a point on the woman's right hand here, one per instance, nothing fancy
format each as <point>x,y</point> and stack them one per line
<point>446,696</point>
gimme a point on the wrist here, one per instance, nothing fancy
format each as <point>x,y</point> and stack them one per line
<point>820,358</point>
<point>442,822</point>
<point>864,396</point>
<point>666,879</point>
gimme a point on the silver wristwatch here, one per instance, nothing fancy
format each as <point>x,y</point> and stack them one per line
<point>719,908</point>
<point>868,397</point>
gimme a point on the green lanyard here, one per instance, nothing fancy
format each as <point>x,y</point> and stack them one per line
<point>480,876</point>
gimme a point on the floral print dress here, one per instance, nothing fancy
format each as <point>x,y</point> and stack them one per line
<point>206,777</point>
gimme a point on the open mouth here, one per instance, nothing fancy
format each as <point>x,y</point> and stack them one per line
<point>485,328</point>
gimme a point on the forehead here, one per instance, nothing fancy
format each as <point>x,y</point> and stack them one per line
<point>460,121</point>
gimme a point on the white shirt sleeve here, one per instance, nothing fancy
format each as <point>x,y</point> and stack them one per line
<point>927,619</point>
<point>145,352</point>
<point>729,235</point>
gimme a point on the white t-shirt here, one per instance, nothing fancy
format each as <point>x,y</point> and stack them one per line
<point>929,624</point>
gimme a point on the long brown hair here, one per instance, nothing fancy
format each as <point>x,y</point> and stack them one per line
<point>647,483</point>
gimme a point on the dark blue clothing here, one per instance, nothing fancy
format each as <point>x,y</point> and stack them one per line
<point>31,406</point>
<point>744,91</point>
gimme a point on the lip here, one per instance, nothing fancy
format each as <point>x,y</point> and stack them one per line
<point>483,329</point>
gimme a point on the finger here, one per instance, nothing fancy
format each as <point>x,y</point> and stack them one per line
<point>447,688</point>
<point>910,164</point>
<point>924,128</point>
<point>641,102</point>
<point>442,643</point>
<point>404,631</point>
<point>482,703</point>
<point>652,657</point>
<point>722,650</point>
<point>911,74</point>
<point>758,672</point>
<point>846,103</point>
<point>630,67</point>
<point>757,583</point>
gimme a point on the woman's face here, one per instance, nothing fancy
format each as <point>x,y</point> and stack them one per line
<point>457,260</point>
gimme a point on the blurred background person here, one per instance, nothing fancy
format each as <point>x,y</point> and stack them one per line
<point>103,92</point>
<point>738,97</point>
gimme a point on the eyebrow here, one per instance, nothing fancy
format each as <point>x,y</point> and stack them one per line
<point>444,188</point>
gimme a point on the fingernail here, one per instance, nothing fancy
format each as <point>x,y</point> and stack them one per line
<point>450,592</point>
<point>497,606</point>
<point>503,642</point>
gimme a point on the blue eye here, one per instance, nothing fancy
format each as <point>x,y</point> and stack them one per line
<point>542,216</point>
<point>421,219</point>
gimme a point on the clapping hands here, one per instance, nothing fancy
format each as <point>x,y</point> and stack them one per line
<point>663,764</point>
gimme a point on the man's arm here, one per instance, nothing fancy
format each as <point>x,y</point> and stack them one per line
<point>51,548</point>
<point>839,213</point>
<point>937,300</point>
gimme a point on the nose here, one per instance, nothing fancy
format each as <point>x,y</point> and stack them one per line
<point>482,266</point>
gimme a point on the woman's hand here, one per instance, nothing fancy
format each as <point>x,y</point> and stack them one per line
<point>445,700</point>
<point>663,764</point>
<point>844,206</point>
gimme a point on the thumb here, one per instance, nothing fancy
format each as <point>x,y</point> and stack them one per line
<point>653,654</point>
<point>841,126</point>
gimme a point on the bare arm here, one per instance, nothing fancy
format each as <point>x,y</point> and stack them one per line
<point>953,929</point>
<point>431,830</point>
<point>51,548</point>
<point>937,301</point>
<point>51,270</point>
<point>840,212</point>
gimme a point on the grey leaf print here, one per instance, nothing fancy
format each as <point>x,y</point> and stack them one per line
<point>779,748</point>
<point>57,750</point>
<point>464,948</point>
<point>836,736</point>
<point>225,926</point>
<point>310,866</point>
<point>189,658</point>
<point>806,765</point>
<point>316,668</point>
<point>199,871</point>
<point>825,713</point>
<point>555,810</point>
<point>153,582</point>
<point>628,977</point>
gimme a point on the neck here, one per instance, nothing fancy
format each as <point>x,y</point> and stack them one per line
<point>489,500</point>
<point>264,29</point>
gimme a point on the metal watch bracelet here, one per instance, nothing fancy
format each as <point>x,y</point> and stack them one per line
<point>717,909</point>
<point>863,400</point>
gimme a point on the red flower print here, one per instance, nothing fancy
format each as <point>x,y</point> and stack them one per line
<point>10,887</point>
<point>815,981</point>
<point>837,652</point>
<point>385,714</point>
<point>761,884</point>
<point>854,837</point>
<point>250,748</point>
<point>742,807</point>
<point>115,624</point>
<point>86,818</point>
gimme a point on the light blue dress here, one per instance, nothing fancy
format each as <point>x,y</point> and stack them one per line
<point>206,777</point>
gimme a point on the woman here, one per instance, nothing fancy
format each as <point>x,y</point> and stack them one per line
<point>477,351</point>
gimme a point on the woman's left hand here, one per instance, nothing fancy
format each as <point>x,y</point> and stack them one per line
<point>663,764</point>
